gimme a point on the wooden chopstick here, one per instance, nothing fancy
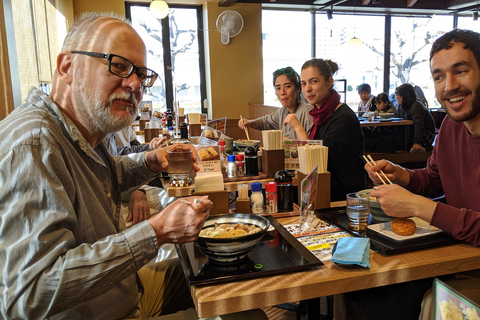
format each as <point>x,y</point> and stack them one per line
<point>245,128</point>
<point>370,160</point>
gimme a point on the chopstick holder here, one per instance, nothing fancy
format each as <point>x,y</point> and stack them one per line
<point>352,250</point>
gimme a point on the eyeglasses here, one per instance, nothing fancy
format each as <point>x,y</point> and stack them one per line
<point>286,71</point>
<point>123,68</point>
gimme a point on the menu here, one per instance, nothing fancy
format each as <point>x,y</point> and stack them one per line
<point>291,152</point>
<point>318,236</point>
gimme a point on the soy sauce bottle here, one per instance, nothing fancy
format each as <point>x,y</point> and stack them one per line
<point>251,162</point>
<point>284,191</point>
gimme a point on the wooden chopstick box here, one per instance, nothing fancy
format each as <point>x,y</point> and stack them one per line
<point>195,129</point>
<point>219,199</point>
<point>322,197</point>
<point>272,161</point>
<point>243,206</point>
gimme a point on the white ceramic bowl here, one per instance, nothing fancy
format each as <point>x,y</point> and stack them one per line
<point>386,115</point>
<point>376,209</point>
<point>231,250</point>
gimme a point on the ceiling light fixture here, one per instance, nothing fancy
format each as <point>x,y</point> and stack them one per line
<point>159,9</point>
<point>354,42</point>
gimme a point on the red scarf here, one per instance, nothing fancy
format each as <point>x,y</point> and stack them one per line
<point>320,115</point>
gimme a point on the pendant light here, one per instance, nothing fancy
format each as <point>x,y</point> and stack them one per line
<point>159,9</point>
<point>354,42</point>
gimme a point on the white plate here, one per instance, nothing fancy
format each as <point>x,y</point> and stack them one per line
<point>423,230</point>
<point>385,120</point>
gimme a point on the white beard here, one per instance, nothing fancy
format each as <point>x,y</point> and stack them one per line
<point>96,115</point>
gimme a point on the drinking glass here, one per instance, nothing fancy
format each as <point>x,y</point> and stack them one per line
<point>180,167</point>
<point>358,210</point>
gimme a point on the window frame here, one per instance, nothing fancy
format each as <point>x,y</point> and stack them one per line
<point>167,56</point>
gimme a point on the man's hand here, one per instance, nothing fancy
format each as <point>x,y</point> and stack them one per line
<point>138,209</point>
<point>399,202</point>
<point>156,160</point>
<point>394,172</point>
<point>157,143</point>
<point>181,222</point>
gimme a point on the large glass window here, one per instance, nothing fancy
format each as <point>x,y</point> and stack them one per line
<point>286,42</point>
<point>175,58</point>
<point>468,23</point>
<point>356,65</point>
<point>411,41</point>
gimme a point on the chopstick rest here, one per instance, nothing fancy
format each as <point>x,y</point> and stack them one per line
<point>352,250</point>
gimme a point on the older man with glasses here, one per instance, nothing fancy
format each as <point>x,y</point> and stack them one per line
<point>64,250</point>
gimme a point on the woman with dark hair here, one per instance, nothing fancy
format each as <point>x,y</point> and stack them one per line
<point>337,125</point>
<point>422,133</point>
<point>384,105</point>
<point>288,90</point>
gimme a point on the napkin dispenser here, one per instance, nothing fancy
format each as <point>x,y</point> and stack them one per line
<point>322,196</point>
<point>211,185</point>
<point>272,161</point>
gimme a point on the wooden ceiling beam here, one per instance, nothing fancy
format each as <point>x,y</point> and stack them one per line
<point>226,3</point>
<point>411,3</point>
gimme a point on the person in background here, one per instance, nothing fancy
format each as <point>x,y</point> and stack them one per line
<point>422,133</point>
<point>381,139</point>
<point>337,125</point>
<point>65,252</point>
<point>126,142</point>
<point>367,99</point>
<point>384,105</point>
<point>455,69</point>
<point>421,96</point>
<point>288,90</point>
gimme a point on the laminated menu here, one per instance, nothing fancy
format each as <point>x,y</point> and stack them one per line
<point>291,152</point>
<point>319,236</point>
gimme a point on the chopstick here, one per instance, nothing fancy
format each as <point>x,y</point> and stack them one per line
<point>370,160</point>
<point>245,128</point>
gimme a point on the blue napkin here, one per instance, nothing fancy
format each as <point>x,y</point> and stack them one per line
<point>352,250</point>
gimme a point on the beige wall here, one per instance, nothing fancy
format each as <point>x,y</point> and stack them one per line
<point>234,71</point>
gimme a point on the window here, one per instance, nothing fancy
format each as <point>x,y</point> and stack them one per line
<point>287,40</point>
<point>176,57</point>
<point>359,65</point>
<point>286,43</point>
<point>412,39</point>
<point>468,23</point>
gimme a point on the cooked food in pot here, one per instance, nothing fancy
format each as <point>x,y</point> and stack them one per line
<point>229,230</point>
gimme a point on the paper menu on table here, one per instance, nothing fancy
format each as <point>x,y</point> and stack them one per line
<point>319,237</point>
<point>218,124</point>
<point>208,158</point>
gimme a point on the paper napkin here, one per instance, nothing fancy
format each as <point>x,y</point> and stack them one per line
<point>352,250</point>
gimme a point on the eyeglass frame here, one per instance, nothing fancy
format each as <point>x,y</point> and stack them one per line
<point>110,56</point>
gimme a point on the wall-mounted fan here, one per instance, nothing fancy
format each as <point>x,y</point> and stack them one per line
<point>229,24</point>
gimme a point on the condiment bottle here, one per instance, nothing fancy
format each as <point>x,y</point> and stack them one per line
<point>171,133</point>
<point>284,191</point>
<point>256,198</point>
<point>231,167</point>
<point>183,131</point>
<point>251,162</point>
<point>240,165</point>
<point>271,197</point>
<point>223,155</point>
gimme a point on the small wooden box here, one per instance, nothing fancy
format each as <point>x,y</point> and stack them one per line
<point>219,199</point>
<point>272,161</point>
<point>243,206</point>
<point>142,122</point>
<point>195,130</point>
<point>151,133</point>
<point>322,198</point>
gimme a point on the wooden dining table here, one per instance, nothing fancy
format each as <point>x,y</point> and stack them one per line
<point>331,278</point>
<point>395,122</point>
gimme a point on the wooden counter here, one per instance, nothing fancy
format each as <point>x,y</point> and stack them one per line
<point>332,279</point>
